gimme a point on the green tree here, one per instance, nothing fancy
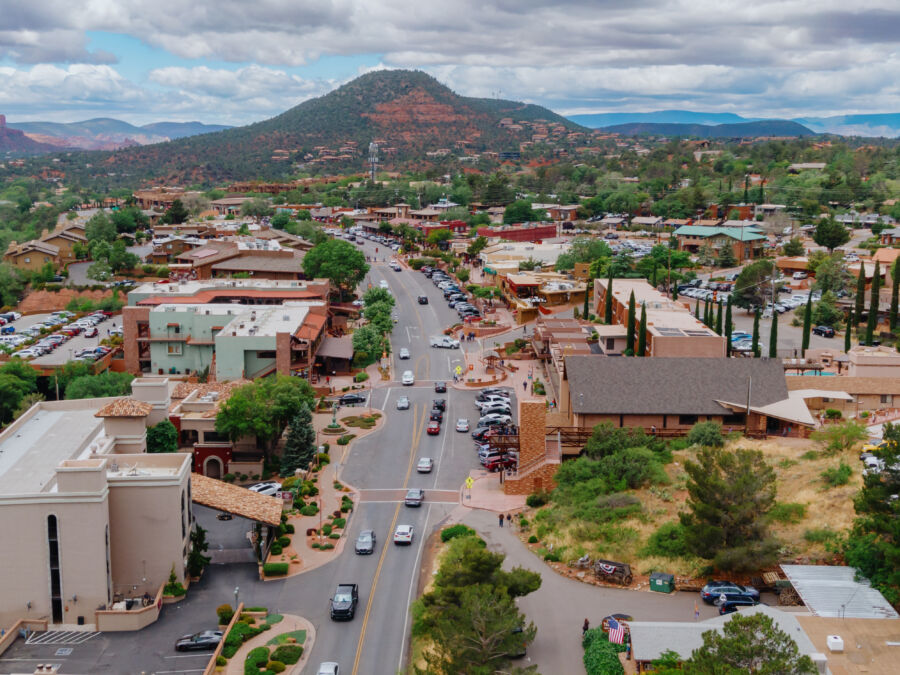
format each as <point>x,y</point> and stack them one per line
<point>12,391</point>
<point>196,560</point>
<point>826,312</point>
<point>162,437</point>
<point>872,321</point>
<point>830,234</point>
<point>99,271</point>
<point>773,337</point>
<point>588,291</point>
<point>280,220</point>
<point>477,246</point>
<point>753,286</point>
<point>840,438</point>
<point>729,324</point>
<point>99,386</point>
<point>729,495</point>
<point>176,214</point>
<point>607,300</point>
<point>831,275</point>
<point>629,343</point>
<point>642,332</point>
<point>256,208</point>
<point>22,371</point>
<point>793,248</point>
<point>860,298</point>
<point>300,444</point>
<point>120,259</point>
<point>100,228</point>
<point>519,211</point>
<point>895,291</point>
<point>727,257</point>
<point>437,237</point>
<point>749,644</point>
<point>12,285</point>
<point>719,317</point>
<point>368,345</point>
<point>337,260</point>
<point>376,294</point>
<point>847,333</point>
<point>807,325</point>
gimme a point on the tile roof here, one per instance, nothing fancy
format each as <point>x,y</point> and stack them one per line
<point>261,263</point>
<point>852,385</point>
<point>125,407</point>
<point>311,327</point>
<point>227,294</point>
<point>673,386</point>
<point>239,501</point>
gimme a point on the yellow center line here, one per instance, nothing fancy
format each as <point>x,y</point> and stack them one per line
<point>418,426</point>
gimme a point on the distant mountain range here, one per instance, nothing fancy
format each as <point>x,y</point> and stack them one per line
<point>104,133</point>
<point>740,130</point>
<point>874,125</point>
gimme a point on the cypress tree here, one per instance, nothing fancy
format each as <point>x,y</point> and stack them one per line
<point>773,337</point>
<point>629,345</point>
<point>728,327</point>
<point>847,334</point>
<point>756,350</point>
<point>872,321</point>
<point>642,336</point>
<point>697,310</point>
<point>895,286</point>
<point>860,294</point>
<point>587,294</point>
<point>607,303</point>
<point>719,319</point>
<point>674,291</point>
<point>807,325</point>
<point>653,276</point>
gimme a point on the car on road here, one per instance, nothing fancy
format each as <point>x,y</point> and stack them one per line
<point>714,590</point>
<point>351,398</point>
<point>365,542</point>
<point>423,299</point>
<point>425,465</point>
<point>436,415</point>
<point>207,639</point>
<point>268,488</point>
<point>343,603</point>
<point>824,331</point>
<point>444,342</point>
<point>439,403</point>
<point>403,534</point>
<point>403,403</point>
<point>434,428</point>
<point>440,387</point>
<point>414,497</point>
<point>328,668</point>
<point>462,424</point>
<point>403,354</point>
<point>408,379</point>
<point>383,284</point>
<point>730,606</point>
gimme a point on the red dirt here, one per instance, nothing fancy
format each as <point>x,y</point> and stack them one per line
<point>48,301</point>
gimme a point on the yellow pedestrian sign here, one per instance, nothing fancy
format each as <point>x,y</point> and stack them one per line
<point>459,370</point>
<point>469,482</point>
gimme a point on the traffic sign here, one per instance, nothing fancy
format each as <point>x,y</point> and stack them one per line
<point>458,370</point>
<point>469,482</point>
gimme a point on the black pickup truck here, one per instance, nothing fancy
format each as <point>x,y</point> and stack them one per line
<point>343,604</point>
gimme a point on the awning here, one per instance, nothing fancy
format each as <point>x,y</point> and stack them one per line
<point>820,393</point>
<point>336,348</point>
<point>217,494</point>
<point>792,409</point>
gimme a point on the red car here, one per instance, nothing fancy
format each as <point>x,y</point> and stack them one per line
<point>434,428</point>
<point>500,464</point>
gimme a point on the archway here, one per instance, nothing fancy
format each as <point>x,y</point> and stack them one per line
<point>212,467</point>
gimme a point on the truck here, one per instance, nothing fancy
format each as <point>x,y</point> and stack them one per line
<point>444,342</point>
<point>344,601</point>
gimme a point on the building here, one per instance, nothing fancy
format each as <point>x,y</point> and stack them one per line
<point>649,222</point>
<point>160,198</point>
<point>246,256</point>
<point>670,395</point>
<point>65,239</point>
<point>32,255</point>
<point>504,257</point>
<point>768,210</point>
<point>534,232</point>
<point>850,395</point>
<point>530,293</point>
<point>746,242</point>
<point>87,517</point>
<point>671,328</point>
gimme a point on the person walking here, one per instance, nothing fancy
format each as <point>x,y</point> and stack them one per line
<point>586,626</point>
<point>500,518</point>
<point>509,520</point>
<point>525,385</point>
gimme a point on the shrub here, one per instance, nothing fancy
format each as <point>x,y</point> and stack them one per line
<point>229,477</point>
<point>454,531</point>
<point>706,434</point>
<point>275,569</point>
<point>601,655</point>
<point>276,549</point>
<point>820,535</point>
<point>275,666</point>
<point>551,556</point>
<point>289,528</point>
<point>323,458</point>
<point>326,547</point>
<point>532,539</point>
<point>667,542</point>
<point>361,377</point>
<point>224,612</point>
<point>837,475</point>
<point>309,510</point>
<point>339,522</point>
<point>326,529</point>
<point>346,438</point>
<point>284,541</point>
<point>833,414</point>
<point>537,499</point>
<point>247,619</point>
<point>288,654</point>
<point>221,661</point>
<point>256,659</point>
<point>787,512</point>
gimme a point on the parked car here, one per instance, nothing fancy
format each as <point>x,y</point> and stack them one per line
<point>425,465</point>
<point>714,590</point>
<point>496,409</point>
<point>403,403</point>
<point>91,332</point>
<point>499,463</point>
<point>408,379</point>
<point>730,606</point>
<point>269,488</point>
<point>343,603</point>
<point>365,542</point>
<point>403,354</point>
<point>207,639</point>
<point>462,424</point>
<point>434,428</point>
<point>824,331</point>
<point>403,534</point>
<point>481,432</point>
<point>115,331</point>
<point>494,419</point>
<point>351,398</point>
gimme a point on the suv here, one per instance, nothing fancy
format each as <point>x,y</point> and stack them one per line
<point>714,590</point>
<point>344,601</point>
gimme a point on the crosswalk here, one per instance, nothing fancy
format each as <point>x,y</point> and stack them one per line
<point>61,637</point>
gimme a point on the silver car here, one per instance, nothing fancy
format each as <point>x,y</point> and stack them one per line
<point>403,403</point>
<point>403,353</point>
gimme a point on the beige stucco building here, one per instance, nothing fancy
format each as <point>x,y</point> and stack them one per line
<point>88,519</point>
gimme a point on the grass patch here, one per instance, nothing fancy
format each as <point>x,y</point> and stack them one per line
<point>787,463</point>
<point>810,455</point>
<point>360,421</point>
<point>274,618</point>
<point>822,535</point>
<point>284,638</point>
<point>836,476</point>
<point>787,513</point>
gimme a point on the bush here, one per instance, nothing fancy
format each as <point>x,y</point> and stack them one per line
<point>221,661</point>
<point>289,528</point>
<point>284,541</point>
<point>339,522</point>
<point>323,458</point>
<point>256,659</point>
<point>309,510</point>
<point>454,531</point>
<point>288,654</point>
<point>224,612</point>
<point>276,549</point>
<point>247,619</point>
<point>275,666</point>
<point>326,547</point>
<point>820,535</point>
<point>326,529</point>
<point>837,475</point>
<point>833,414</point>
<point>229,477</point>
<point>706,434</point>
<point>667,542</point>
<point>787,512</point>
<point>532,539</point>
<point>600,655</point>
<point>550,556</point>
<point>346,438</point>
<point>361,377</point>
<point>275,569</point>
<point>537,499</point>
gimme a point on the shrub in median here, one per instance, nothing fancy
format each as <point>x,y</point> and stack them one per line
<point>288,654</point>
<point>276,549</point>
<point>256,659</point>
<point>458,530</point>
<point>224,612</point>
<point>275,569</point>
<point>275,667</point>
<point>283,541</point>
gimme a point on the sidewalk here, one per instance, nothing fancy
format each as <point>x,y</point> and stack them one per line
<point>487,494</point>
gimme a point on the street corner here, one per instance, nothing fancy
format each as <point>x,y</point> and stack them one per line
<point>483,490</point>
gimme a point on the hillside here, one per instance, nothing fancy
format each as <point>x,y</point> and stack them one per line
<point>13,141</point>
<point>758,129</point>
<point>876,124</point>
<point>408,113</point>
<point>173,130</point>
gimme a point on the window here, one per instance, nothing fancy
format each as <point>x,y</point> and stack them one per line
<point>174,348</point>
<point>183,524</point>
<point>56,603</point>
<point>28,260</point>
<point>687,420</point>
<point>886,399</point>
<point>610,344</point>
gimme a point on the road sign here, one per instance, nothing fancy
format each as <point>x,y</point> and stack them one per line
<point>458,370</point>
<point>469,482</point>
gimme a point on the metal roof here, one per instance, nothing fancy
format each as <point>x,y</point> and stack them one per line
<point>832,592</point>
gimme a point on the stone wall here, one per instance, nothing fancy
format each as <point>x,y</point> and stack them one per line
<point>537,480</point>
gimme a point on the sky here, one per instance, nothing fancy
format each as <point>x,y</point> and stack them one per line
<point>240,61</point>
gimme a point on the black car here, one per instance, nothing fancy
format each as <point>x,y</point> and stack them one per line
<point>730,606</point>
<point>351,398</point>
<point>437,415</point>
<point>365,542</point>
<point>714,590</point>
<point>207,639</point>
<point>480,433</point>
<point>440,404</point>
<point>440,387</point>
<point>343,604</point>
<point>824,331</point>
<point>423,299</point>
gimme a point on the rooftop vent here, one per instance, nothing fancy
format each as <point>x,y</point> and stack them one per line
<point>835,643</point>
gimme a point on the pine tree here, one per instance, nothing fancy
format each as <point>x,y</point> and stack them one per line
<point>746,189</point>
<point>756,350</point>
<point>629,345</point>
<point>587,294</point>
<point>607,304</point>
<point>719,319</point>
<point>895,287</point>
<point>847,334</point>
<point>728,327</point>
<point>872,322</point>
<point>300,445</point>
<point>642,336</point>
<point>807,325</point>
<point>773,337</point>
<point>697,310</point>
<point>860,295</point>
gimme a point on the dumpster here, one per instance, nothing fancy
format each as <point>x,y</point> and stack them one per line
<point>662,582</point>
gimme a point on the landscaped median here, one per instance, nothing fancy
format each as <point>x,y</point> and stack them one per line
<point>263,643</point>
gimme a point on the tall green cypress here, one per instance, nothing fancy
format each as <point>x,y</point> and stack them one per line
<point>719,319</point>
<point>653,276</point>
<point>872,321</point>
<point>588,291</point>
<point>756,350</point>
<point>807,325</point>
<point>847,333</point>
<point>674,291</point>
<point>895,286</point>
<point>642,336</point>
<point>629,345</point>
<point>773,337</point>
<point>728,327</point>
<point>860,295</point>
<point>697,310</point>
<point>607,304</point>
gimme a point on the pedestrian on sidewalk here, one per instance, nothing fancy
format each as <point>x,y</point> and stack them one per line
<point>586,626</point>
<point>525,386</point>
<point>500,518</point>
<point>509,520</point>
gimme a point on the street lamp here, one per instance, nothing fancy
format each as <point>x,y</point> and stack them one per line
<point>237,593</point>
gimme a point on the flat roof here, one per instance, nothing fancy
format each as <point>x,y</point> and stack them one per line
<point>833,591</point>
<point>194,286</point>
<point>49,433</point>
<point>266,322</point>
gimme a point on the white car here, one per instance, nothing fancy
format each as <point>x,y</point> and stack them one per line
<point>408,378</point>
<point>494,418</point>
<point>425,465</point>
<point>403,534</point>
<point>383,284</point>
<point>491,401</point>
<point>268,488</point>
<point>403,353</point>
<point>328,668</point>
<point>462,424</point>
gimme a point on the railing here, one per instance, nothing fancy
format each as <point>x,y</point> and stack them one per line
<point>34,625</point>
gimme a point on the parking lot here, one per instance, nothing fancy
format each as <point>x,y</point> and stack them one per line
<point>66,351</point>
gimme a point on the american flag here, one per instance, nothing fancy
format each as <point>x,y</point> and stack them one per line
<point>616,632</point>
